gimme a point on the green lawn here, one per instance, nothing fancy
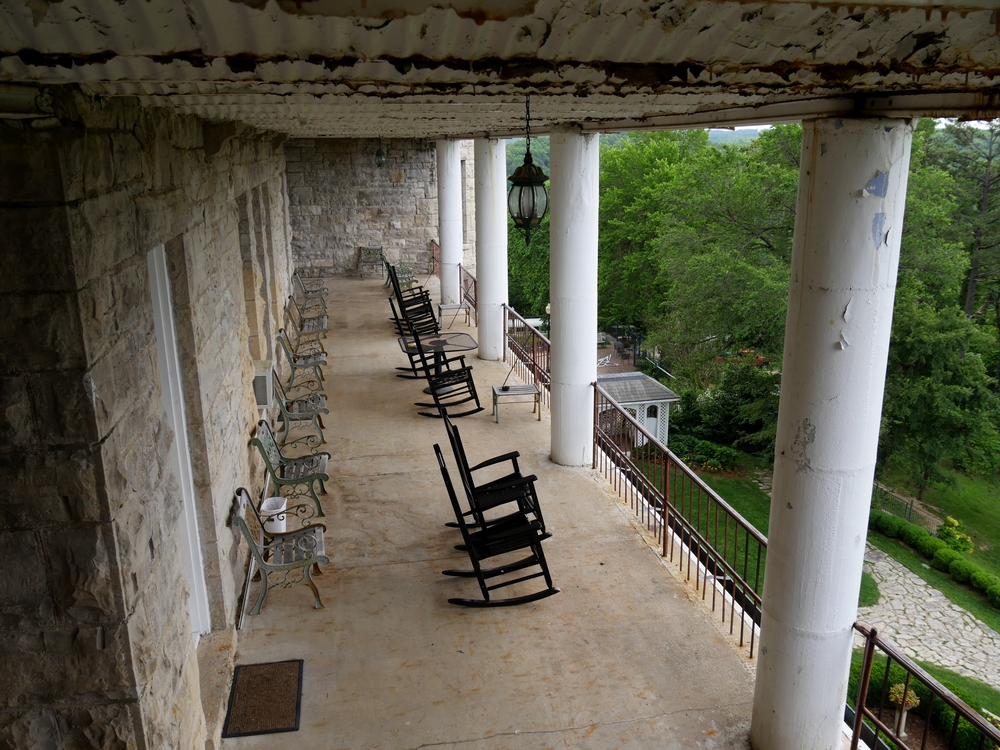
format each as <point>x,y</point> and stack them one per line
<point>750,501</point>
<point>976,503</point>
<point>982,694</point>
<point>870,594</point>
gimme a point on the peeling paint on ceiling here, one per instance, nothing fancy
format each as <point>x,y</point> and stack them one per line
<point>360,68</point>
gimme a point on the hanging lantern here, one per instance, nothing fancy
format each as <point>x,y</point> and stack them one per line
<point>380,155</point>
<point>528,200</point>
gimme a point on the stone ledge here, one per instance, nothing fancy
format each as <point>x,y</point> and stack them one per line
<point>216,655</point>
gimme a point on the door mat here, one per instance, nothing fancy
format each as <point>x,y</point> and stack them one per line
<point>265,698</point>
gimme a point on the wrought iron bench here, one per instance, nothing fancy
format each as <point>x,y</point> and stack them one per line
<point>278,555</point>
<point>302,346</point>
<point>311,326</point>
<point>371,256</point>
<point>312,299</point>
<point>517,536</point>
<point>313,288</point>
<point>308,364</point>
<point>301,413</point>
<point>294,478</point>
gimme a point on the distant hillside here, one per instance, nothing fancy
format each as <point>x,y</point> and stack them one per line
<point>733,136</point>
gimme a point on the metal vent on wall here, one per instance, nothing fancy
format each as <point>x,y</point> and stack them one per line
<point>263,383</point>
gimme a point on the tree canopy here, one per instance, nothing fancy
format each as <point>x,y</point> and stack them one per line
<point>694,250</point>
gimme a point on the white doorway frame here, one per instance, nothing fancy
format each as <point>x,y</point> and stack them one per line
<point>171,388</point>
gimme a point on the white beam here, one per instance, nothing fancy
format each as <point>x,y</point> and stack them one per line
<point>574,159</point>
<point>491,244</point>
<point>449,184</point>
<point>849,219</point>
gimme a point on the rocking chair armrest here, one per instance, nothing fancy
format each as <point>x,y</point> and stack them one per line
<point>512,457</point>
<point>506,483</point>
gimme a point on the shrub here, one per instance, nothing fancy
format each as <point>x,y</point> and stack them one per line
<point>950,531</point>
<point>962,570</point>
<point>993,594</point>
<point>875,519</point>
<point>944,557</point>
<point>983,581</point>
<point>929,546</point>
<point>912,534</point>
<point>892,526</point>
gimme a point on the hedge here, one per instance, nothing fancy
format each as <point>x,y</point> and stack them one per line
<point>942,557</point>
<point>961,570</point>
<point>983,581</point>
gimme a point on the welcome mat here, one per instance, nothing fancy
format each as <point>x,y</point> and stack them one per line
<point>265,698</point>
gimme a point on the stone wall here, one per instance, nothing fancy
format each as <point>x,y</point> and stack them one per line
<point>94,625</point>
<point>339,200</point>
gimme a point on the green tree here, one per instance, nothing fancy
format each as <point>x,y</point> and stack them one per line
<point>528,269</point>
<point>938,399</point>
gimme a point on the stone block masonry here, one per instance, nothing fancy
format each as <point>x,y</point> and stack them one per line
<point>95,631</point>
<point>339,200</point>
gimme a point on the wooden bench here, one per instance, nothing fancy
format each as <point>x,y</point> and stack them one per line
<point>294,478</point>
<point>278,555</point>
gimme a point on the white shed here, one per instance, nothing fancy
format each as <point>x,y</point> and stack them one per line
<point>646,399</point>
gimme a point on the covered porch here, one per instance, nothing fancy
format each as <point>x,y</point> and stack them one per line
<point>625,656</point>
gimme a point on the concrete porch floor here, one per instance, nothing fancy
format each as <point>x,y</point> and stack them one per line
<point>620,659</point>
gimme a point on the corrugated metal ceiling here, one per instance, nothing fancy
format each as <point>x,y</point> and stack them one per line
<point>418,69</point>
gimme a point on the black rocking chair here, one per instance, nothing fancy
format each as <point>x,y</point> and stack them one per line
<point>491,543</point>
<point>449,386</point>
<point>486,496</point>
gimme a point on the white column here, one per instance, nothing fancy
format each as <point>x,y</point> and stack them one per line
<point>575,168</point>
<point>849,217</point>
<point>491,244</point>
<point>449,168</point>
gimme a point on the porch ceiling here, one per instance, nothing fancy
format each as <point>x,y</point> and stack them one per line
<point>361,68</point>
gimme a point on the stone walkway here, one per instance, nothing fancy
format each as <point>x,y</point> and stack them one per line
<point>926,625</point>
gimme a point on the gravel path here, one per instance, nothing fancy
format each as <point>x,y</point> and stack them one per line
<point>926,625</point>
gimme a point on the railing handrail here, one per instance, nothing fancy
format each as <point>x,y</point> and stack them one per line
<point>514,313</point>
<point>686,470</point>
<point>962,708</point>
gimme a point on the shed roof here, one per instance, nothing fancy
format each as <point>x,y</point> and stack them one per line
<point>631,387</point>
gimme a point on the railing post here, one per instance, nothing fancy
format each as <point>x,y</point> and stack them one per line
<point>862,697</point>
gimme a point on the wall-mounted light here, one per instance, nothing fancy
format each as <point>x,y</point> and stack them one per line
<point>380,155</point>
<point>528,200</point>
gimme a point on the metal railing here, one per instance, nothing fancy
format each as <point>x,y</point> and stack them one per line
<point>528,350</point>
<point>889,502</point>
<point>696,529</point>
<point>942,719</point>
<point>467,285</point>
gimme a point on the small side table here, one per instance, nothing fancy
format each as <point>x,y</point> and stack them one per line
<point>517,390</point>
<point>458,307</point>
